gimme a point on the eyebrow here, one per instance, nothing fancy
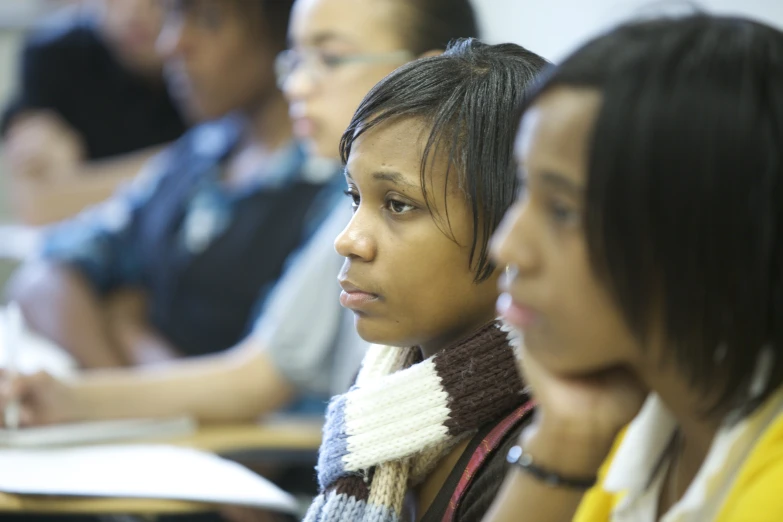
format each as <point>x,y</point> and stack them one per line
<point>390,176</point>
<point>327,37</point>
<point>561,182</point>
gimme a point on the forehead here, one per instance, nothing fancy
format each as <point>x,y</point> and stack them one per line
<point>395,144</point>
<point>398,146</point>
<point>557,128</point>
<point>362,23</point>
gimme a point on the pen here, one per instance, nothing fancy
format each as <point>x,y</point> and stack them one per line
<point>12,331</point>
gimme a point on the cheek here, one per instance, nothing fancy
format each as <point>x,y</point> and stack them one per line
<point>586,332</point>
<point>435,285</point>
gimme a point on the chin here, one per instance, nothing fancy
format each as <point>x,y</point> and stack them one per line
<point>375,332</point>
<point>563,361</point>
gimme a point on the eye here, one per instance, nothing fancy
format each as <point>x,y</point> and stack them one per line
<point>352,193</point>
<point>331,60</point>
<point>398,207</point>
<point>563,214</point>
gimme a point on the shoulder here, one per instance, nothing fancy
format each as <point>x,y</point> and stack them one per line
<point>756,492</point>
<point>61,36</point>
<point>213,139</point>
<point>488,479</point>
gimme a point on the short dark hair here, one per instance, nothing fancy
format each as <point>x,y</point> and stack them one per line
<point>277,14</point>
<point>259,15</point>
<point>432,24</point>
<point>472,97</point>
<point>684,200</point>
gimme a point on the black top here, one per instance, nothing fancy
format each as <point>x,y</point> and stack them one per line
<point>205,256</point>
<point>66,67</point>
<point>485,484</point>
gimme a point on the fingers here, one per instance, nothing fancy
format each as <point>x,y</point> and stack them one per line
<point>21,392</point>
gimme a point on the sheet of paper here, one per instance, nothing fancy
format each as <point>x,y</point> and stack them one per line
<point>138,471</point>
<point>97,432</point>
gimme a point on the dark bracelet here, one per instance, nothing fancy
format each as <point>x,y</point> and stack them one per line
<point>524,461</point>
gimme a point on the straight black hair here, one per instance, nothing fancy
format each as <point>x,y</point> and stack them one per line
<point>471,96</point>
<point>684,198</point>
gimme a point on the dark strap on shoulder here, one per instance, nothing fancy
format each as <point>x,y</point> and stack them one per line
<point>485,448</point>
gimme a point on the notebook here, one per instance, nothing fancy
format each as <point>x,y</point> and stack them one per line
<point>96,432</point>
<point>138,471</point>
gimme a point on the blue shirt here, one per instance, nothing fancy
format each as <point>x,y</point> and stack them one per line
<point>199,248</point>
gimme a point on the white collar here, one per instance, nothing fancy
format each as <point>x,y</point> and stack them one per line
<point>641,448</point>
<point>645,441</point>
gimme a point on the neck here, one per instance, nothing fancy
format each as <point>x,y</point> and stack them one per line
<point>697,429</point>
<point>269,125</point>
<point>430,348</point>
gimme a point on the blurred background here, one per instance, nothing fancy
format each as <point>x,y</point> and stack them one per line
<point>550,28</point>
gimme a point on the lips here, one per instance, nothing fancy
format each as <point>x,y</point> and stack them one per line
<point>516,314</point>
<point>303,127</point>
<point>512,309</point>
<point>354,297</point>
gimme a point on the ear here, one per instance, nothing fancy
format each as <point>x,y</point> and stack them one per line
<point>431,53</point>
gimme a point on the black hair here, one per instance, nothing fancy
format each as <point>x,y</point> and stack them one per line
<point>277,14</point>
<point>262,17</point>
<point>432,24</point>
<point>684,197</point>
<point>472,97</point>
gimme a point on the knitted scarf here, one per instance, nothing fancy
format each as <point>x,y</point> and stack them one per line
<point>387,433</point>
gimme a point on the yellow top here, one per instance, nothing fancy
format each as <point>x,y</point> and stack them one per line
<point>740,480</point>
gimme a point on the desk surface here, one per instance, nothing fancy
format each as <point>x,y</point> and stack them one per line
<point>274,435</point>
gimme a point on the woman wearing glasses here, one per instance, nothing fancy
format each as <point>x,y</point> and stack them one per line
<point>303,342</point>
<point>342,48</point>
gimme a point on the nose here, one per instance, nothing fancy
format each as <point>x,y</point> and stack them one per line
<point>514,241</point>
<point>356,241</point>
<point>298,84</point>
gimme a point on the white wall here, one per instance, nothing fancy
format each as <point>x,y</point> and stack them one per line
<point>553,27</point>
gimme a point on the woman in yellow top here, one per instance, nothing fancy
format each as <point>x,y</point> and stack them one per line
<point>645,273</point>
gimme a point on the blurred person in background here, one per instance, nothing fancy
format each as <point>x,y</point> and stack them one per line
<point>303,339</point>
<point>90,108</point>
<point>303,342</point>
<point>179,264</point>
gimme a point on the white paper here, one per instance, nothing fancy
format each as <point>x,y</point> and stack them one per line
<point>81,433</point>
<point>139,471</point>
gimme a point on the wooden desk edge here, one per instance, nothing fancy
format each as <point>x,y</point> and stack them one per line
<point>93,505</point>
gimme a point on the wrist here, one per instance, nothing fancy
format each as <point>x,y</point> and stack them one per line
<point>85,402</point>
<point>74,406</point>
<point>576,451</point>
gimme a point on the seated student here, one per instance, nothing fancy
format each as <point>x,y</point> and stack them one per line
<point>210,226</point>
<point>304,342</point>
<point>430,173</point>
<point>646,276</point>
<point>90,107</point>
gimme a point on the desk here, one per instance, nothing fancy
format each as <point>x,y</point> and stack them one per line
<point>275,441</point>
<point>240,442</point>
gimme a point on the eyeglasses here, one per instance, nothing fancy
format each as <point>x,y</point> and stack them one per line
<point>319,64</point>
